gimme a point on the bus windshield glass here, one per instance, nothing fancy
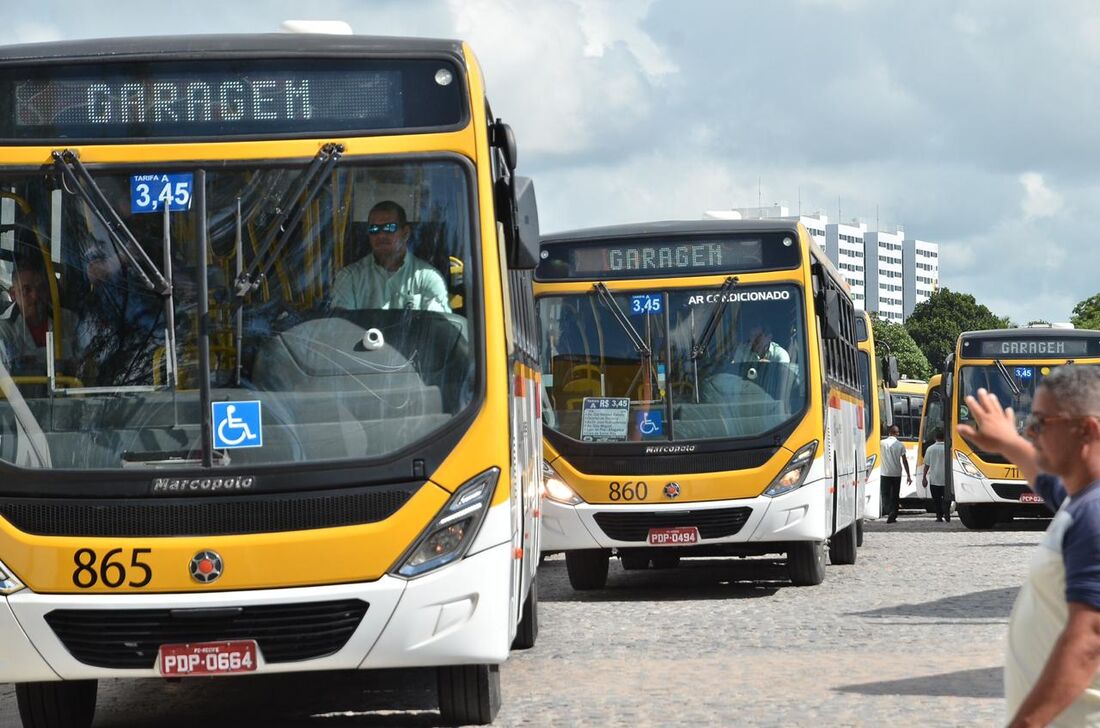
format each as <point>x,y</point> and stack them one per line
<point>330,355</point>
<point>748,378</point>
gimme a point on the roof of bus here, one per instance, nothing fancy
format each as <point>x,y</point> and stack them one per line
<point>198,46</point>
<point>910,386</point>
<point>1029,333</point>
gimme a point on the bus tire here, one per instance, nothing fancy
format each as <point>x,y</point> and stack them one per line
<point>66,704</point>
<point>806,562</point>
<point>528,630</point>
<point>842,546</point>
<point>634,562</point>
<point>977,517</point>
<point>468,694</point>
<point>859,532</point>
<point>587,568</point>
<point>666,561</point>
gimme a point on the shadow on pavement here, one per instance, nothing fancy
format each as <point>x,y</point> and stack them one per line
<point>368,698</point>
<point>988,604</point>
<point>925,523</point>
<point>980,683</point>
<point>692,580</point>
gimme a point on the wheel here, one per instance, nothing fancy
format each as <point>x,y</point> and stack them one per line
<point>842,546</point>
<point>977,517</point>
<point>468,694</point>
<point>859,532</point>
<point>528,630</point>
<point>806,562</point>
<point>634,562</point>
<point>67,704</point>
<point>587,568</point>
<point>666,561</point>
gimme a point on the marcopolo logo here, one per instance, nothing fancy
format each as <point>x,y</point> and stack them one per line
<point>173,486</point>
<point>668,449</point>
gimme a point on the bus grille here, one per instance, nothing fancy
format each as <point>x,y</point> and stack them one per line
<point>635,525</point>
<point>1011,491</point>
<point>716,462</point>
<point>130,638</point>
<point>219,516</point>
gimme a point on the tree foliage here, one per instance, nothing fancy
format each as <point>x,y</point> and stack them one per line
<point>1086,314</point>
<point>894,339</point>
<point>935,324</point>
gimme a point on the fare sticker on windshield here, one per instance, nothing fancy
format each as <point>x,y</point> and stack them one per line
<point>154,192</point>
<point>605,419</point>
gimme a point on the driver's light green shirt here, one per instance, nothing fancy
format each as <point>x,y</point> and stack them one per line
<point>415,285</point>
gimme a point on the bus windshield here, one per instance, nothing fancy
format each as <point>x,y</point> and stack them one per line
<point>346,358</point>
<point>745,379</point>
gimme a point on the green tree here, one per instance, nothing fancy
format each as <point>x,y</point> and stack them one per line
<point>935,324</point>
<point>894,339</point>
<point>1086,314</point>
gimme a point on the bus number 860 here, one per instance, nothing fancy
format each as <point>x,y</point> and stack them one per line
<point>628,491</point>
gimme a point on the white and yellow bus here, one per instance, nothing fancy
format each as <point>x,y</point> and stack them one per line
<point>212,467</point>
<point>907,402</point>
<point>1010,363</point>
<point>875,378</point>
<point>701,397</point>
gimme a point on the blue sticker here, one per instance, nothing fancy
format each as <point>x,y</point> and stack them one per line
<point>646,303</point>
<point>236,424</point>
<point>153,192</point>
<point>1024,372</point>
<point>652,423</point>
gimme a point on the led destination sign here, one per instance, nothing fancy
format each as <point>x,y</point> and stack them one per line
<point>229,98</point>
<point>646,257</point>
<point>1039,348</point>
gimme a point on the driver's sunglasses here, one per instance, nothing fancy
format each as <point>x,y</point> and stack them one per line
<point>389,227</point>
<point>1036,422</point>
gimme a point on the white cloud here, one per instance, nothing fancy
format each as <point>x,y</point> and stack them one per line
<point>1039,200</point>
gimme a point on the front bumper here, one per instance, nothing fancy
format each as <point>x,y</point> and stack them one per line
<point>796,516</point>
<point>457,615</point>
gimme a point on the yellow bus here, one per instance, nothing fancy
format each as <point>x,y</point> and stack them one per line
<point>877,414</point>
<point>701,397</point>
<point>906,402</point>
<point>284,414</point>
<point>1010,363</point>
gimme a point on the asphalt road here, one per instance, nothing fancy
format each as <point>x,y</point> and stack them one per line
<point>913,632</point>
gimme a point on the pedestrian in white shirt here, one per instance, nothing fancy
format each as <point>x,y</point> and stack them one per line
<point>934,477</point>
<point>893,461</point>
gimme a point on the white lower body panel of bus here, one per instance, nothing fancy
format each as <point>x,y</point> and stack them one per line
<point>974,491</point>
<point>456,615</point>
<point>797,516</point>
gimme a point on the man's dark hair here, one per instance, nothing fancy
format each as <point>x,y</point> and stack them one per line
<point>938,433</point>
<point>391,206</point>
<point>894,430</point>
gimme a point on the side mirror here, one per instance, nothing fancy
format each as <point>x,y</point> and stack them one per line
<point>524,250</point>
<point>504,139</point>
<point>890,371</point>
<point>831,317</point>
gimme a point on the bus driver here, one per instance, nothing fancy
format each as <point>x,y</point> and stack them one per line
<point>389,277</point>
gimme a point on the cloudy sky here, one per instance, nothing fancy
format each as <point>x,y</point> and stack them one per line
<point>971,123</point>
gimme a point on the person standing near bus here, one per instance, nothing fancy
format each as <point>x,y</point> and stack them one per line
<point>893,461</point>
<point>934,477</point>
<point>1053,652</point>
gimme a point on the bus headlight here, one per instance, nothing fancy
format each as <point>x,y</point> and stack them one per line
<point>449,536</point>
<point>794,474</point>
<point>967,466</point>
<point>554,488</point>
<point>9,583</point>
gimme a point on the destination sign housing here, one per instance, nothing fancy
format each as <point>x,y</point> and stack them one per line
<point>1029,345</point>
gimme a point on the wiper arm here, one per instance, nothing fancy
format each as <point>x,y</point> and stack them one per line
<point>699,348</point>
<point>624,321</point>
<point>288,213</point>
<point>1007,377</point>
<point>79,181</point>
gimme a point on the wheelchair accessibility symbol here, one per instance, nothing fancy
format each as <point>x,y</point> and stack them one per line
<point>236,424</point>
<point>651,423</point>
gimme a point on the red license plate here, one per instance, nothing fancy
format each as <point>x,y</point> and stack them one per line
<point>679,536</point>
<point>1031,498</point>
<point>207,658</point>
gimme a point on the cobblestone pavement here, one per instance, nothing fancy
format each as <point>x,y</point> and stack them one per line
<point>912,633</point>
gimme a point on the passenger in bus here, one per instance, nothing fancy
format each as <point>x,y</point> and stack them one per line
<point>24,324</point>
<point>934,477</point>
<point>760,347</point>
<point>389,277</point>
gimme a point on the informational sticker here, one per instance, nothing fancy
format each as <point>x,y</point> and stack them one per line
<point>605,419</point>
<point>1024,372</point>
<point>646,303</point>
<point>651,423</point>
<point>236,424</point>
<point>154,192</point>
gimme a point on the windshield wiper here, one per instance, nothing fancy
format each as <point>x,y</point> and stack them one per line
<point>77,180</point>
<point>1016,391</point>
<point>288,213</point>
<point>699,348</point>
<point>620,316</point>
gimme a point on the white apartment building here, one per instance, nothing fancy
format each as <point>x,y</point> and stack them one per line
<point>888,273</point>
